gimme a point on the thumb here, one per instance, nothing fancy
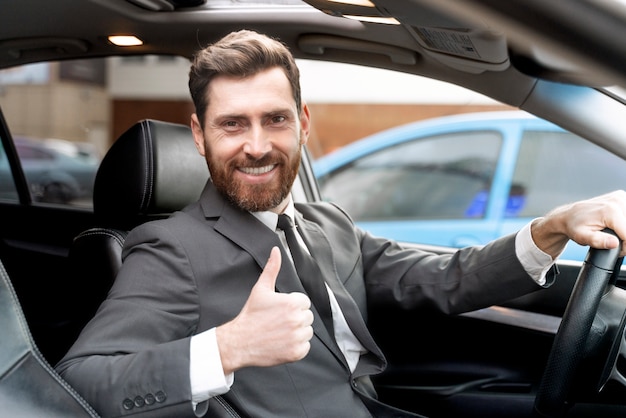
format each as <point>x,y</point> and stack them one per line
<point>607,239</point>
<point>267,279</point>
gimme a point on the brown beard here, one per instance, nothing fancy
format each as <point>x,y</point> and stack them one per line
<point>256,197</point>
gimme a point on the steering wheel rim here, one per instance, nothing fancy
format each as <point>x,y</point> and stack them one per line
<point>569,343</point>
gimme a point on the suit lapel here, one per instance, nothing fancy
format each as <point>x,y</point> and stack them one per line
<point>320,248</point>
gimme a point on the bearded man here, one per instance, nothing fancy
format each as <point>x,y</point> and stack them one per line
<point>209,301</point>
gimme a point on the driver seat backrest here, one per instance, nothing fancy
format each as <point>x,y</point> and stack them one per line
<point>151,171</point>
<point>29,386</point>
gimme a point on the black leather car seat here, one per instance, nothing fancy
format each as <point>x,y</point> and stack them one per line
<point>151,171</point>
<point>29,386</point>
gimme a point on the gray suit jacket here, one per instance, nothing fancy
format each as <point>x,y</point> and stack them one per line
<point>194,271</point>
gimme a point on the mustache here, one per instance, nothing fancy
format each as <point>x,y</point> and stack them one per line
<point>268,159</point>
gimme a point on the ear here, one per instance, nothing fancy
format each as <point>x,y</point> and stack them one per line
<point>305,124</point>
<point>198,134</point>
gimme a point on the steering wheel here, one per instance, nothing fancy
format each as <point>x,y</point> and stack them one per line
<point>570,342</point>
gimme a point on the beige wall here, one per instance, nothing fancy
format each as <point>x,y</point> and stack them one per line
<point>71,111</point>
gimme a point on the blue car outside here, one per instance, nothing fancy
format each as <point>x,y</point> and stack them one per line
<point>465,179</point>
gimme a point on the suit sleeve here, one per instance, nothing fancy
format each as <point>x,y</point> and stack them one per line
<point>407,277</point>
<point>133,357</point>
<point>468,279</point>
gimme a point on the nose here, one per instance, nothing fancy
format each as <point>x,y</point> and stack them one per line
<point>257,143</point>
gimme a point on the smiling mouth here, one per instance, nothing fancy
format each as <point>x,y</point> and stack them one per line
<point>257,171</point>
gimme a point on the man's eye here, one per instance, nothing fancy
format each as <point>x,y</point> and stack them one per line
<point>278,119</point>
<point>231,125</point>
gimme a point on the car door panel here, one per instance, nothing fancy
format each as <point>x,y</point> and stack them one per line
<point>486,363</point>
<point>34,247</point>
<point>449,361</point>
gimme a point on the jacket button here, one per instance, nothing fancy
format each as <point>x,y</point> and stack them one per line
<point>160,396</point>
<point>139,402</point>
<point>149,398</point>
<point>128,404</point>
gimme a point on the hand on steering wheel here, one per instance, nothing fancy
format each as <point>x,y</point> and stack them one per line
<point>570,341</point>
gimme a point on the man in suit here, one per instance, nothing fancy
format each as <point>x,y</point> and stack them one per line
<point>208,302</point>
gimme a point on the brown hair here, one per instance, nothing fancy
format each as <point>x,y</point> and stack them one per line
<point>241,54</point>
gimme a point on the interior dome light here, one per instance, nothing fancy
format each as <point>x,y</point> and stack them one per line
<point>364,3</point>
<point>374,19</point>
<point>125,40</point>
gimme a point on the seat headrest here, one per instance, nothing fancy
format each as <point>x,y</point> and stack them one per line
<point>152,170</point>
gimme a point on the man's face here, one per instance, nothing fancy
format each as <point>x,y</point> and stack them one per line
<point>252,138</point>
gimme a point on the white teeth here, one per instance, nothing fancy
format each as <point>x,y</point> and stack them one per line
<point>255,171</point>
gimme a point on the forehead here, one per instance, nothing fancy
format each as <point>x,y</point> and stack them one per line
<point>266,88</point>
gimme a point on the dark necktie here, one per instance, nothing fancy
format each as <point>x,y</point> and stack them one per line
<point>309,273</point>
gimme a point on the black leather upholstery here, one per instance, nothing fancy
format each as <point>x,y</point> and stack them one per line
<point>29,387</point>
<point>152,170</point>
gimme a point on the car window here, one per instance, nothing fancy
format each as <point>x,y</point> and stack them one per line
<point>442,177</point>
<point>64,116</point>
<point>58,116</point>
<point>543,179</point>
<point>58,171</point>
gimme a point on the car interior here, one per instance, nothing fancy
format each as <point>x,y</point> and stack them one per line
<point>546,353</point>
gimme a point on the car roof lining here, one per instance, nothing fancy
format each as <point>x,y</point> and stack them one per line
<point>570,50</point>
<point>215,19</point>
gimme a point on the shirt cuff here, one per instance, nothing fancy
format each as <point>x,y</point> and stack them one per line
<point>536,262</point>
<point>205,368</point>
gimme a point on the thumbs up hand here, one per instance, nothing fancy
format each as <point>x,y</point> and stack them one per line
<point>271,329</point>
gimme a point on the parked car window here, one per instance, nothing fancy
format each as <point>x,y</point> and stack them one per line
<point>442,177</point>
<point>543,179</point>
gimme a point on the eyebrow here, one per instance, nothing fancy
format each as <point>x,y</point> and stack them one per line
<point>281,111</point>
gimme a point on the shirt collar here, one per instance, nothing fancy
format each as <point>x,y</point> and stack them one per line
<point>270,219</point>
